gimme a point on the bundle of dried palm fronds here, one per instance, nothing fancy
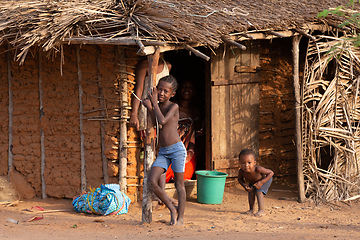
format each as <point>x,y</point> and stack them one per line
<point>331,119</point>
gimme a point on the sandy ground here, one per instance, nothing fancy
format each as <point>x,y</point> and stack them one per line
<point>285,219</point>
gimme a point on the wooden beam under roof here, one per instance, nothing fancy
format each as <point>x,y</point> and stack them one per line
<point>112,41</point>
<point>264,34</point>
<point>149,45</point>
<point>261,35</point>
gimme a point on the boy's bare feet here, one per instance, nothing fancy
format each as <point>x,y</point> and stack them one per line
<point>174,202</point>
<point>249,212</point>
<point>180,222</point>
<point>259,213</point>
<point>158,205</point>
<point>173,217</point>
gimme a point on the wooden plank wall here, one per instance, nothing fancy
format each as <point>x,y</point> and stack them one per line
<point>234,106</point>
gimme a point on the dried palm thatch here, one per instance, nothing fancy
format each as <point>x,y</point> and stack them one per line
<point>331,120</point>
<point>46,23</point>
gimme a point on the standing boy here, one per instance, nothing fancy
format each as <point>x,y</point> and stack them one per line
<point>259,179</point>
<point>172,150</point>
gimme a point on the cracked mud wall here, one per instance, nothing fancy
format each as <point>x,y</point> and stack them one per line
<point>60,122</point>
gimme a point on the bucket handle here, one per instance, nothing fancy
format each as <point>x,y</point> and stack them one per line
<point>213,171</point>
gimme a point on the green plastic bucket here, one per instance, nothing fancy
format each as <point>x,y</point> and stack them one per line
<point>210,186</point>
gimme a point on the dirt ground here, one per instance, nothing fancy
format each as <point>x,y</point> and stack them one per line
<point>285,219</point>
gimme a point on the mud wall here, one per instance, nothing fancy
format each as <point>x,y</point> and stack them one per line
<point>99,67</point>
<point>4,112</point>
<point>277,120</point>
<point>135,169</point>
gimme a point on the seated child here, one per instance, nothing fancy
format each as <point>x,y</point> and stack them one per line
<point>259,179</point>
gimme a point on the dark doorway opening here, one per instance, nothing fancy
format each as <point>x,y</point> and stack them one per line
<point>188,67</point>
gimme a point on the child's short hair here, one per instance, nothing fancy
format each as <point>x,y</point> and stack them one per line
<point>246,152</point>
<point>170,79</point>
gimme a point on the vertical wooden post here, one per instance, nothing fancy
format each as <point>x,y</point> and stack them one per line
<point>103,116</point>
<point>42,145</point>
<point>149,143</point>
<point>123,87</point>
<point>82,147</point>
<point>298,131</point>
<point>11,108</point>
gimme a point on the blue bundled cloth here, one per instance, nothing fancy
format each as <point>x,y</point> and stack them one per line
<point>105,200</point>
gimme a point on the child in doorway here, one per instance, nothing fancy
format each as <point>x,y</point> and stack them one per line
<point>172,150</point>
<point>138,111</point>
<point>259,179</point>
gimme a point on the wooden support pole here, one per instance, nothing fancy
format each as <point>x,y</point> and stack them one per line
<point>232,42</point>
<point>298,131</point>
<point>103,116</point>
<point>149,144</point>
<point>11,109</point>
<point>42,140</point>
<point>123,88</point>
<point>197,52</point>
<point>82,146</point>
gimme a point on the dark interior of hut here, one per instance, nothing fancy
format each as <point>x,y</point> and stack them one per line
<point>188,67</point>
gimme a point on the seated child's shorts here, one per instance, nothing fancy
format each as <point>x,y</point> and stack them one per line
<point>265,187</point>
<point>174,154</point>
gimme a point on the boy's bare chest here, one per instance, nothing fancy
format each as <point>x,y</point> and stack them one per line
<point>253,177</point>
<point>164,109</point>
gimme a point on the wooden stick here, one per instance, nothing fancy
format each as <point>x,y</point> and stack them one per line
<point>305,34</point>
<point>197,53</point>
<point>16,202</point>
<point>82,146</point>
<point>11,109</point>
<point>298,132</point>
<point>123,99</point>
<point>50,211</point>
<point>149,144</point>
<point>118,41</point>
<point>275,33</point>
<point>42,144</point>
<point>248,36</point>
<point>232,42</point>
<point>331,23</point>
<point>102,122</point>
<point>352,198</point>
<point>138,42</point>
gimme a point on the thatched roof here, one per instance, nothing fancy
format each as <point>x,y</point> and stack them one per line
<point>46,23</point>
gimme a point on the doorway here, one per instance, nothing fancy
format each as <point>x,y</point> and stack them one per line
<point>187,67</point>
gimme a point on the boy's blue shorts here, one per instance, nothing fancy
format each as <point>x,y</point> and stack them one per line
<point>174,154</point>
<point>264,188</point>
